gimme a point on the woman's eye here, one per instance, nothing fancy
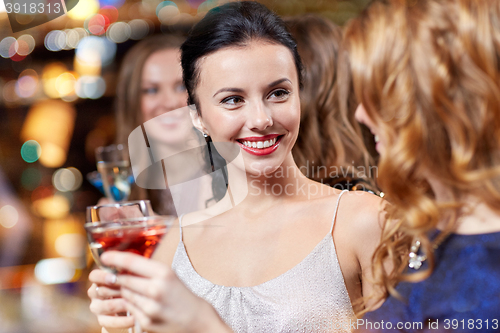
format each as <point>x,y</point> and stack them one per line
<point>150,91</point>
<point>180,88</point>
<point>280,94</point>
<point>232,100</point>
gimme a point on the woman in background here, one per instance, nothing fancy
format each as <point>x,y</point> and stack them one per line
<point>330,147</point>
<point>150,85</point>
<point>427,75</point>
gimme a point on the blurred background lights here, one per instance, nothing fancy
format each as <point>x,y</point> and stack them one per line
<point>138,29</point>
<point>31,178</point>
<point>84,9</point>
<point>65,180</point>
<point>89,63</point>
<point>165,4</point>
<point>90,87</point>
<point>65,84</point>
<point>110,13</point>
<point>9,91</point>
<point>6,49</point>
<point>50,123</point>
<point>91,46</point>
<point>204,7</point>
<point>26,45</point>
<point>73,37</point>
<point>16,57</point>
<point>55,270</point>
<point>49,75</point>
<point>168,12</point>
<point>96,24</point>
<point>55,40</point>
<point>54,155</point>
<point>8,216</point>
<point>52,207</point>
<point>24,19</point>
<point>31,151</point>
<point>119,32</point>
<point>114,3</point>
<point>71,245</point>
<point>26,86</point>
<point>78,178</point>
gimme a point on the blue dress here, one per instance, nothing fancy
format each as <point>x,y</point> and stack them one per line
<point>461,295</point>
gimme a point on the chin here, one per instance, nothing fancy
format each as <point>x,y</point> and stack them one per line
<point>261,168</point>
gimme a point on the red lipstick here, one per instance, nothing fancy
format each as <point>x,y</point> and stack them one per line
<point>260,151</point>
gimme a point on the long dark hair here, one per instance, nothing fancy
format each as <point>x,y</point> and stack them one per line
<point>232,24</point>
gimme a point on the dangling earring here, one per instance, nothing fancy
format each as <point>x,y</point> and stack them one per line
<point>208,140</point>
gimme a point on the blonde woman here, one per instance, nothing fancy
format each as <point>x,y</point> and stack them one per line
<point>427,75</point>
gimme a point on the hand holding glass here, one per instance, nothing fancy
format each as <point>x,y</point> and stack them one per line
<point>128,226</point>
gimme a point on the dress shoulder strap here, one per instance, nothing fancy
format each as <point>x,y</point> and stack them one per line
<point>334,213</point>
<point>180,227</point>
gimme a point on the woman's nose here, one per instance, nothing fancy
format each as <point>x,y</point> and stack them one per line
<point>360,114</point>
<point>171,100</point>
<point>259,117</point>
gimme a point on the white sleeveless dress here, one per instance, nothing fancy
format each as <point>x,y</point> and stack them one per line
<point>310,297</point>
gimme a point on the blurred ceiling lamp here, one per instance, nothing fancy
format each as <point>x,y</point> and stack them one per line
<point>83,9</point>
<point>50,123</point>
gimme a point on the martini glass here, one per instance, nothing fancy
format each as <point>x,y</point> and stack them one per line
<point>126,226</point>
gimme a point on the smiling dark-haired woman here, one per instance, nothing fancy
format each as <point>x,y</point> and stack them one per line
<point>291,254</point>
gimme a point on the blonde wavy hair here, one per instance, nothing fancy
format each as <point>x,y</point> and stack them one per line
<point>428,74</point>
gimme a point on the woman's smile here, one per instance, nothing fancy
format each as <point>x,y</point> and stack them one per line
<point>260,146</point>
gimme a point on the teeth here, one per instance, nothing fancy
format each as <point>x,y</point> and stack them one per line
<point>260,144</point>
<point>377,139</point>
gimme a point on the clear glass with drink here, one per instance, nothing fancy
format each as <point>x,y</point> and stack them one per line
<point>113,165</point>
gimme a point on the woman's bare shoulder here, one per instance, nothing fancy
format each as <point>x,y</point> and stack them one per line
<point>362,214</point>
<point>363,208</point>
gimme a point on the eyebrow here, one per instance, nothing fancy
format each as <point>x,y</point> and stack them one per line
<point>238,90</point>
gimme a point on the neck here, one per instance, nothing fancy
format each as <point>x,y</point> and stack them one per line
<point>275,185</point>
